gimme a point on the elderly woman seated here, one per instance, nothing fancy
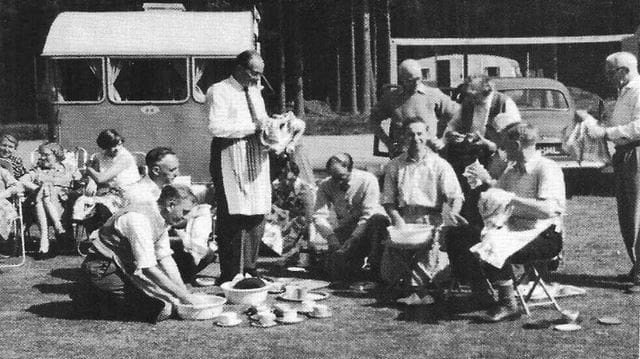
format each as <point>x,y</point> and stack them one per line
<point>48,185</point>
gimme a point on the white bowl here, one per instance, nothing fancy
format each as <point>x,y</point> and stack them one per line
<point>255,296</point>
<point>210,310</point>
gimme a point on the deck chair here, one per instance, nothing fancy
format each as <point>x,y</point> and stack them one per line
<point>535,272</point>
<point>17,225</point>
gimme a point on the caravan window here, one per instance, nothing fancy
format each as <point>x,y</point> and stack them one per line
<point>147,80</point>
<point>77,80</point>
<point>206,72</point>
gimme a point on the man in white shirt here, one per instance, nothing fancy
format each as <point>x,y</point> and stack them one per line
<point>163,167</point>
<point>419,187</point>
<point>129,269</point>
<point>239,164</point>
<point>621,69</point>
<point>354,196</point>
<point>537,188</point>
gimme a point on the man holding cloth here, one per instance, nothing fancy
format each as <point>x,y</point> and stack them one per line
<point>239,164</point>
<point>621,69</point>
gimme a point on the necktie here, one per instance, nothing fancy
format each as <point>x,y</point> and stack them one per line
<point>252,143</point>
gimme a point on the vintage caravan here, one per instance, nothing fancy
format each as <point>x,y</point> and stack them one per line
<point>447,71</point>
<point>144,74</point>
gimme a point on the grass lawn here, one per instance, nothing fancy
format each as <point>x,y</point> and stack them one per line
<point>38,320</point>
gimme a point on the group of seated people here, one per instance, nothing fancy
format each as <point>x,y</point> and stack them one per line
<point>131,265</point>
<point>441,185</point>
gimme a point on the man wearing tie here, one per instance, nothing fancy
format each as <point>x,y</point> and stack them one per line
<point>239,164</point>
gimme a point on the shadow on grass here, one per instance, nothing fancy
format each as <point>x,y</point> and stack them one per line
<point>589,280</point>
<point>59,310</point>
<point>70,274</point>
<point>69,311</point>
<point>45,288</point>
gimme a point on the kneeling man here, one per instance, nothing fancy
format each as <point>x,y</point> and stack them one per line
<point>538,200</point>
<point>129,269</point>
<point>354,196</point>
<point>419,187</point>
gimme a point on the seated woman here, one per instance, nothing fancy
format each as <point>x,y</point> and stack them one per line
<point>8,146</point>
<point>112,170</point>
<point>292,208</point>
<point>9,187</point>
<point>49,183</point>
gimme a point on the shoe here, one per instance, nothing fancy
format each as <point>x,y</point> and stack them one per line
<point>502,313</point>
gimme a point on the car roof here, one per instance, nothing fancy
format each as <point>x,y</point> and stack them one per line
<point>515,83</point>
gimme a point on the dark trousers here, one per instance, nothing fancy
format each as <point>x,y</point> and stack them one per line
<point>231,227</point>
<point>627,185</point>
<point>546,246</point>
<point>465,267</point>
<point>103,290</point>
<point>347,263</point>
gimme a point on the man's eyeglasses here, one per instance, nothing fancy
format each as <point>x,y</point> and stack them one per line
<point>611,72</point>
<point>252,73</point>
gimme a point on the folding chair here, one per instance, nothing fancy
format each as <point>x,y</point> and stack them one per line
<point>535,271</point>
<point>17,225</point>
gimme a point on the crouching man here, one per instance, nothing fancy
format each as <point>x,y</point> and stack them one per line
<point>354,196</point>
<point>419,187</point>
<point>129,271</point>
<point>538,190</point>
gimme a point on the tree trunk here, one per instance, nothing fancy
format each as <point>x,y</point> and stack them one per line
<point>282,99</point>
<point>352,58</point>
<point>384,62</point>
<point>338,89</point>
<point>374,53</point>
<point>366,56</point>
<point>298,63</point>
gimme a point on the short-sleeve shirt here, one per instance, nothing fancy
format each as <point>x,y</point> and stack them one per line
<point>542,178</point>
<point>427,182</point>
<point>147,251</point>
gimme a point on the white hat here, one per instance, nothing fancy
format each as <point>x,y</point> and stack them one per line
<point>503,120</point>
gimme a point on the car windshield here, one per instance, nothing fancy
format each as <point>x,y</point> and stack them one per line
<point>538,99</point>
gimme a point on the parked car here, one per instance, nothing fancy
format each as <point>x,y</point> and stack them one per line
<point>548,105</point>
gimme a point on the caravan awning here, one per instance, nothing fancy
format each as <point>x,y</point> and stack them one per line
<point>154,33</point>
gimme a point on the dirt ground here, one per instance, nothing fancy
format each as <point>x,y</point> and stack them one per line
<point>38,321</point>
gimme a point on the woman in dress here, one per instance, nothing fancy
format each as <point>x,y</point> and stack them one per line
<point>112,170</point>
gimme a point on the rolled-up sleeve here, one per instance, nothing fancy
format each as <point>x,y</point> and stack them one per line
<point>630,112</point>
<point>449,183</point>
<point>137,229</point>
<point>321,212</point>
<point>390,186</point>
<point>223,119</point>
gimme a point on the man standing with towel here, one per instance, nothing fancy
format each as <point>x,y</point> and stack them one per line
<point>239,164</point>
<point>621,69</point>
